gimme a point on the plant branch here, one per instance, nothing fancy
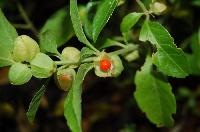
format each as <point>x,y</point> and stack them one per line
<point>128,48</point>
<point>90,59</point>
<point>21,26</point>
<point>64,62</point>
<point>142,6</point>
<point>27,20</point>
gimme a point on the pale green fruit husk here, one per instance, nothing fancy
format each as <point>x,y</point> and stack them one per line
<point>64,78</point>
<point>25,49</point>
<point>42,66</point>
<point>158,8</point>
<point>71,54</point>
<point>116,65</point>
<point>19,74</point>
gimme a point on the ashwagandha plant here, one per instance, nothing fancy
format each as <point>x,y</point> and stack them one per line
<point>27,58</point>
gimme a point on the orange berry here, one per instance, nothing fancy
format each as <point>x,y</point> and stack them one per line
<point>105,65</point>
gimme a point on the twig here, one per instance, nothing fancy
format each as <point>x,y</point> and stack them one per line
<point>27,20</point>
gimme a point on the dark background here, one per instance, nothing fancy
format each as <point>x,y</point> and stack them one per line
<point>108,104</point>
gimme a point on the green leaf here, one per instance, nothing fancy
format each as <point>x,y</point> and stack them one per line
<point>156,34</point>
<point>102,16</point>
<point>60,23</point>
<point>84,13</point>
<point>154,96</point>
<point>8,34</point>
<point>72,105</point>
<point>168,58</point>
<point>194,57</point>
<point>35,102</point>
<point>77,23</point>
<point>5,57</point>
<point>86,52</point>
<point>19,74</point>
<point>129,21</point>
<point>48,42</point>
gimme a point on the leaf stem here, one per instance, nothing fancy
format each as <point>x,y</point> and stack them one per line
<point>142,6</point>
<point>90,59</point>
<point>120,45</point>
<point>22,26</point>
<point>128,48</point>
<point>63,62</point>
<point>93,48</point>
<point>27,20</point>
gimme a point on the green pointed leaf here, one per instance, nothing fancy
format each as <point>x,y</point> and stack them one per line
<point>48,42</point>
<point>19,74</point>
<point>102,16</point>
<point>129,21</point>
<point>77,22</point>
<point>84,13</point>
<point>154,96</point>
<point>86,52</point>
<point>72,106</point>
<point>5,57</point>
<point>171,61</point>
<point>168,58</point>
<point>60,23</point>
<point>35,102</point>
<point>8,34</point>
<point>156,34</point>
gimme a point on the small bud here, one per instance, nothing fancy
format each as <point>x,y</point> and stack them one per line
<point>65,78</point>
<point>132,56</point>
<point>19,74</point>
<point>25,49</point>
<point>42,66</point>
<point>71,54</point>
<point>108,65</point>
<point>158,7</point>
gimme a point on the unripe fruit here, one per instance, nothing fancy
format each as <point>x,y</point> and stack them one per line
<point>42,66</point>
<point>65,78</point>
<point>71,54</point>
<point>108,65</point>
<point>158,7</point>
<point>19,74</point>
<point>25,49</point>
